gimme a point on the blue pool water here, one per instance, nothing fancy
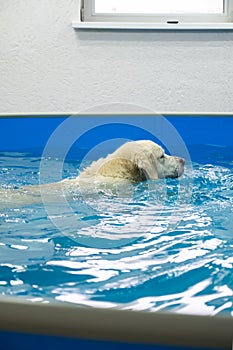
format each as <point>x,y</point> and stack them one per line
<point>157,246</point>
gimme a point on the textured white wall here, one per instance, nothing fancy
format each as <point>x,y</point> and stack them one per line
<point>47,66</point>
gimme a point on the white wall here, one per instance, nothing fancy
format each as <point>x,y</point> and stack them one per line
<point>47,66</point>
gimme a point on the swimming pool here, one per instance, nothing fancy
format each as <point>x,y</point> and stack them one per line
<point>155,246</point>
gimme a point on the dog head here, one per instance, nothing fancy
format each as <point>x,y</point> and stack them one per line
<point>151,159</point>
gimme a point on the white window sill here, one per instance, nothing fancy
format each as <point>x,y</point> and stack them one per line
<point>152,26</point>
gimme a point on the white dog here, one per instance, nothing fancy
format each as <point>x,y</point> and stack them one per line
<point>133,162</point>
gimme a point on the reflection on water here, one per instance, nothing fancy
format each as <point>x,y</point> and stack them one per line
<point>150,248</point>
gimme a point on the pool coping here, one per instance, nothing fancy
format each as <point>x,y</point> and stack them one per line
<point>69,320</point>
<point>115,114</point>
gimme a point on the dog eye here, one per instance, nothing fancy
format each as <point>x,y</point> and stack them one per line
<point>162,156</point>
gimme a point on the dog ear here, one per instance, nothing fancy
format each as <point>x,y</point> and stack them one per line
<point>147,165</point>
<point>124,169</point>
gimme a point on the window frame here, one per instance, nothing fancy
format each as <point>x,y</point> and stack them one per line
<point>87,18</point>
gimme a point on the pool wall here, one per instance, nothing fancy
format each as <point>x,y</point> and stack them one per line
<point>24,324</point>
<point>32,132</point>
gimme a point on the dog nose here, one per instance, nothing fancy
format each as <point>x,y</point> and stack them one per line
<point>182,161</point>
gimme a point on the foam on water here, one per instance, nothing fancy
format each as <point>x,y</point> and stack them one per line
<point>145,249</point>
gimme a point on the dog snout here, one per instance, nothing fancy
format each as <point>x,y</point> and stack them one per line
<point>182,161</point>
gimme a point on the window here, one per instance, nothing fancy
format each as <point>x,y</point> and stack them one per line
<point>158,7</point>
<point>155,14</point>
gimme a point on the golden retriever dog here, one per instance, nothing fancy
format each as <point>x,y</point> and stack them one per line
<point>133,162</point>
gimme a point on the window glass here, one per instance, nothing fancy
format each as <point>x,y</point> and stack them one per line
<point>159,6</point>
